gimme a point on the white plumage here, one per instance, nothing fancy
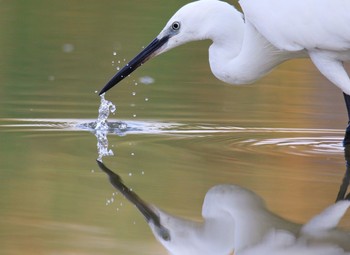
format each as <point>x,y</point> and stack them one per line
<point>301,24</point>
<point>271,32</point>
<point>236,219</point>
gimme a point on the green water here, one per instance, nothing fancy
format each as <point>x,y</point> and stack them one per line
<point>280,137</point>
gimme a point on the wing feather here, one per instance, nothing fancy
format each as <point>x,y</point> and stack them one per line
<point>294,25</point>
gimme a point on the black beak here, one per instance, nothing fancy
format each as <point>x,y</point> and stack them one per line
<point>141,58</point>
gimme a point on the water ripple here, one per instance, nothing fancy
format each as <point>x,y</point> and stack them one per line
<point>301,145</point>
<point>299,141</point>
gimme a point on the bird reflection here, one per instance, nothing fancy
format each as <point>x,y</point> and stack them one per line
<point>346,180</point>
<point>147,211</point>
<point>236,220</point>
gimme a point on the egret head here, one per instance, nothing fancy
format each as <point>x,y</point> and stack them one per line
<point>195,21</point>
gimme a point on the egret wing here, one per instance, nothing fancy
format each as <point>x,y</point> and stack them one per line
<point>295,25</point>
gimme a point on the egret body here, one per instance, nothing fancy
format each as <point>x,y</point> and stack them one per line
<point>244,48</point>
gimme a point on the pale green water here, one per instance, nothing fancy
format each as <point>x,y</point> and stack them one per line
<point>280,137</point>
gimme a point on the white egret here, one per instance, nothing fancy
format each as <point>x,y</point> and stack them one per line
<point>236,219</point>
<point>247,47</point>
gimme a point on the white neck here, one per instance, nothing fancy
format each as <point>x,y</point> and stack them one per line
<point>244,60</point>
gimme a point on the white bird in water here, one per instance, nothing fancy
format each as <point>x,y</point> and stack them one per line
<point>244,48</point>
<point>236,219</point>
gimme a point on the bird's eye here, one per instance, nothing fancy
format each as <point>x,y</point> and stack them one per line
<point>175,25</point>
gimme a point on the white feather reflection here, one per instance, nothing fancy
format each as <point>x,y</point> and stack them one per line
<point>281,242</point>
<point>236,220</point>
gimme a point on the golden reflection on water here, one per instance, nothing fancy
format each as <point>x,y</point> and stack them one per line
<point>53,198</point>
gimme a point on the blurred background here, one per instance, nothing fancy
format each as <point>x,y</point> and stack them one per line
<point>280,137</point>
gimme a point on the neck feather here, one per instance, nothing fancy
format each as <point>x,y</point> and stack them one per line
<point>243,61</point>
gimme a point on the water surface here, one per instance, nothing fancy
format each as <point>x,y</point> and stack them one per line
<point>186,131</point>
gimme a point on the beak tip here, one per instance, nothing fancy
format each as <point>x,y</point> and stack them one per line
<point>107,87</point>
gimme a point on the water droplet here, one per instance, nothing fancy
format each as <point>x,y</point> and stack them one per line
<point>123,126</point>
<point>68,47</point>
<point>146,80</point>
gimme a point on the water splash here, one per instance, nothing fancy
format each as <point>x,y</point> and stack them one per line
<point>101,127</point>
<point>106,107</point>
<point>102,144</point>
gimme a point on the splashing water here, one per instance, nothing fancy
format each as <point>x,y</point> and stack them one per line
<point>106,107</point>
<point>102,144</point>
<point>101,127</point>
